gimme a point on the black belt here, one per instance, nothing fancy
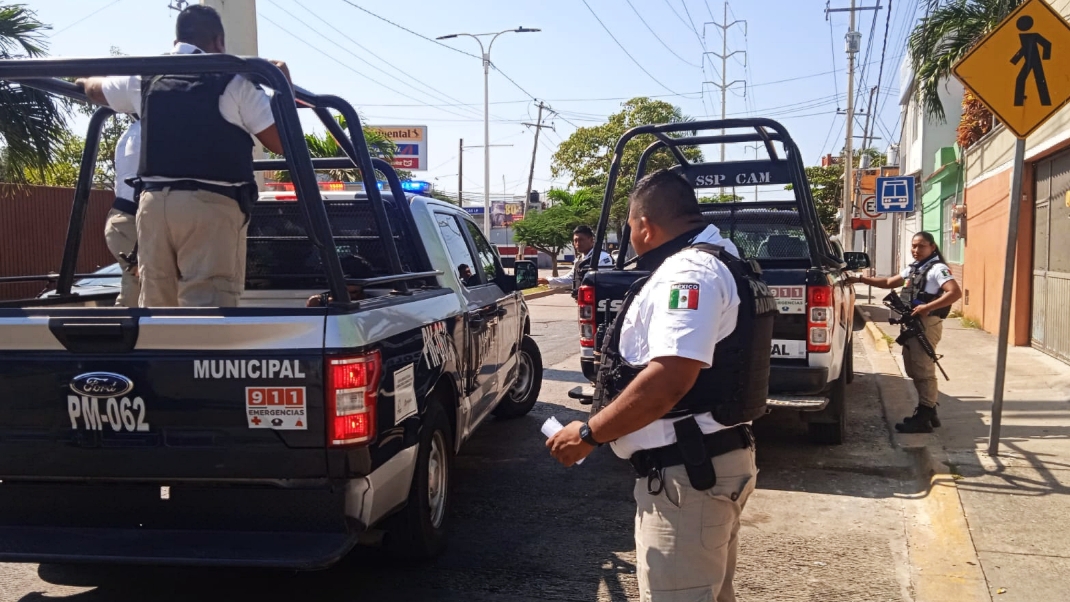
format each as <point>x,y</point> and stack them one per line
<point>124,205</point>
<point>723,441</point>
<point>233,192</point>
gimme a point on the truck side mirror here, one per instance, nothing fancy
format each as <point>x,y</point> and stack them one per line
<point>856,261</point>
<point>526,273</point>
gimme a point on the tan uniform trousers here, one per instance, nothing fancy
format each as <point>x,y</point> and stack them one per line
<point>120,234</point>
<point>192,249</point>
<point>686,540</point>
<point>919,367</point>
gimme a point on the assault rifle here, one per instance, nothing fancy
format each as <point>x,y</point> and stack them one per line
<point>912,327</point>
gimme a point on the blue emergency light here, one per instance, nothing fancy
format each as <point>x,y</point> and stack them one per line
<point>415,186</point>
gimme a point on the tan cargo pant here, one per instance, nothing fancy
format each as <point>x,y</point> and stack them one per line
<point>919,367</point>
<point>120,234</point>
<point>192,249</point>
<point>686,540</point>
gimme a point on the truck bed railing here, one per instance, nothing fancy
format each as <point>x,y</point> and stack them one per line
<point>43,74</point>
<point>771,171</point>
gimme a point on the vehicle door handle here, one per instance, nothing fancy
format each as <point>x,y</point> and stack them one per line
<point>502,312</point>
<point>475,321</point>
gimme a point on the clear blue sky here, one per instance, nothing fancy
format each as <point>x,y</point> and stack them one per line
<point>573,64</point>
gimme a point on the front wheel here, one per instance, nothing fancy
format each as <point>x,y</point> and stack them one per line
<point>525,392</point>
<point>419,530</point>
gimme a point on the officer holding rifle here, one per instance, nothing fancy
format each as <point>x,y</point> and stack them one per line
<point>929,290</point>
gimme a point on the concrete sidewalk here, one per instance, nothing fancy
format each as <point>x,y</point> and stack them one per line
<point>1016,507</point>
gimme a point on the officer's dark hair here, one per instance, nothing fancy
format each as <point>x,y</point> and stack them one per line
<point>666,195</point>
<point>929,238</point>
<point>355,266</point>
<point>198,25</point>
<point>584,230</point>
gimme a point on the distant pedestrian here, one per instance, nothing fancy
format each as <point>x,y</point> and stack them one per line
<point>582,245</point>
<point>931,290</point>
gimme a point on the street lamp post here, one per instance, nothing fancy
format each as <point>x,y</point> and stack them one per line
<point>486,109</point>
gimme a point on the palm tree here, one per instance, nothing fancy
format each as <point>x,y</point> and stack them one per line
<point>325,146</point>
<point>945,36</point>
<point>32,124</point>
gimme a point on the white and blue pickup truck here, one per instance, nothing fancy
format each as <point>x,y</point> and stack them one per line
<point>281,432</point>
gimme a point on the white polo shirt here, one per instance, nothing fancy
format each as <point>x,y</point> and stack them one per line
<point>689,305</point>
<point>604,261</point>
<point>937,276</point>
<point>127,159</point>
<point>242,103</point>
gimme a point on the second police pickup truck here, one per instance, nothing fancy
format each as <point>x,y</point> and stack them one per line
<point>268,434</point>
<point>812,348</point>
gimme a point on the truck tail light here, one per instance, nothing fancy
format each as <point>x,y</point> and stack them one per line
<point>818,319</point>
<point>585,299</point>
<point>352,394</point>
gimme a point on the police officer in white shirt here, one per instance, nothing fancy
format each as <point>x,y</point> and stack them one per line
<point>931,290</point>
<point>120,229</point>
<point>196,170</point>
<point>681,342</point>
<point>582,244</point>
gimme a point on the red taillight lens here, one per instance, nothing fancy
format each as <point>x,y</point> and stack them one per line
<point>585,296</point>
<point>819,319</point>
<point>352,394</point>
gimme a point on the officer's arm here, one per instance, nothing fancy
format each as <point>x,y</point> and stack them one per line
<point>887,282</point>
<point>94,89</point>
<point>650,396</point>
<point>270,139</point>
<point>951,292</point>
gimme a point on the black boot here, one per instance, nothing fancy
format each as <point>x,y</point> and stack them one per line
<point>920,422</point>
<point>935,420</point>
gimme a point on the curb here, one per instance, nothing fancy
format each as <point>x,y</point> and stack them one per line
<point>541,294</point>
<point>943,560</point>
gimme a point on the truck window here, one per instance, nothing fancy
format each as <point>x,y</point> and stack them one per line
<point>458,248</point>
<point>763,234</point>
<point>488,259</point>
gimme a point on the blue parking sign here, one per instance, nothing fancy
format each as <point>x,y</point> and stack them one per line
<point>895,194</point>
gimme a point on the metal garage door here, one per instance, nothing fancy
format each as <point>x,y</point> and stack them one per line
<point>1051,257</point>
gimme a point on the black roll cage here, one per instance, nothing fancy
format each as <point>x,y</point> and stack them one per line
<point>763,130</point>
<point>45,74</point>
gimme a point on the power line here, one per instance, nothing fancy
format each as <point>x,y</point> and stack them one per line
<point>370,64</point>
<point>693,28</point>
<point>832,47</point>
<point>66,27</point>
<point>880,71</point>
<point>350,67</point>
<point>402,27</point>
<point>625,49</point>
<point>656,36</point>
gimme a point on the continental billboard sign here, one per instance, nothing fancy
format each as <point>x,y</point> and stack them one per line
<point>411,141</point>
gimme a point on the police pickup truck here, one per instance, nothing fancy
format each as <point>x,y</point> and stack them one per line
<point>284,431</point>
<point>811,352</point>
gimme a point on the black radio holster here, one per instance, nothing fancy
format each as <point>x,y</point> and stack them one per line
<point>692,448</point>
<point>248,194</point>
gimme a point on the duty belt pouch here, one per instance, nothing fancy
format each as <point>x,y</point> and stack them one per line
<point>692,448</point>
<point>247,195</point>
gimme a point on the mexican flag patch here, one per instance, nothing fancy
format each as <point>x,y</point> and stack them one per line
<point>683,296</point>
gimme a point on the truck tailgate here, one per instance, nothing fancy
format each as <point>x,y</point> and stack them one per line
<point>191,396</point>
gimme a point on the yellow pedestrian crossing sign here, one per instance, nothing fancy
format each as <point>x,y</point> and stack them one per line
<point>1021,70</point>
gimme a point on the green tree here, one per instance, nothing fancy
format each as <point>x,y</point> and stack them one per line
<point>63,169</point>
<point>942,38</point>
<point>549,230</point>
<point>585,157</point>
<point>723,197</point>
<point>324,146</point>
<point>32,124</point>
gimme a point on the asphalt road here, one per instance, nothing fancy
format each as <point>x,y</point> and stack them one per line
<point>826,523</point>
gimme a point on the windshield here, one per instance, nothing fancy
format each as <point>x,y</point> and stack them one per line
<point>763,234</point>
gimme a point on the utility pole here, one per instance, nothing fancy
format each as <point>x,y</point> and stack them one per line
<point>535,147</point>
<point>725,84</point>
<point>854,43</point>
<point>460,173</point>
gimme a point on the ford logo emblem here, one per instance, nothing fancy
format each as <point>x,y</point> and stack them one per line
<point>101,384</point>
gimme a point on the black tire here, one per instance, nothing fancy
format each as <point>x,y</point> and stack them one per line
<point>419,530</point>
<point>833,428</point>
<point>525,392</point>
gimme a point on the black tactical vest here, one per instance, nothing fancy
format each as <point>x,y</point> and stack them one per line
<point>183,134</point>
<point>919,275</point>
<point>736,386</point>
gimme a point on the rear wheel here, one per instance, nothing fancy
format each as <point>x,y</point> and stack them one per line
<point>525,392</point>
<point>419,530</point>
<point>833,420</point>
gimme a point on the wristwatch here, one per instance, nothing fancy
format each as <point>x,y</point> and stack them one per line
<point>587,436</point>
